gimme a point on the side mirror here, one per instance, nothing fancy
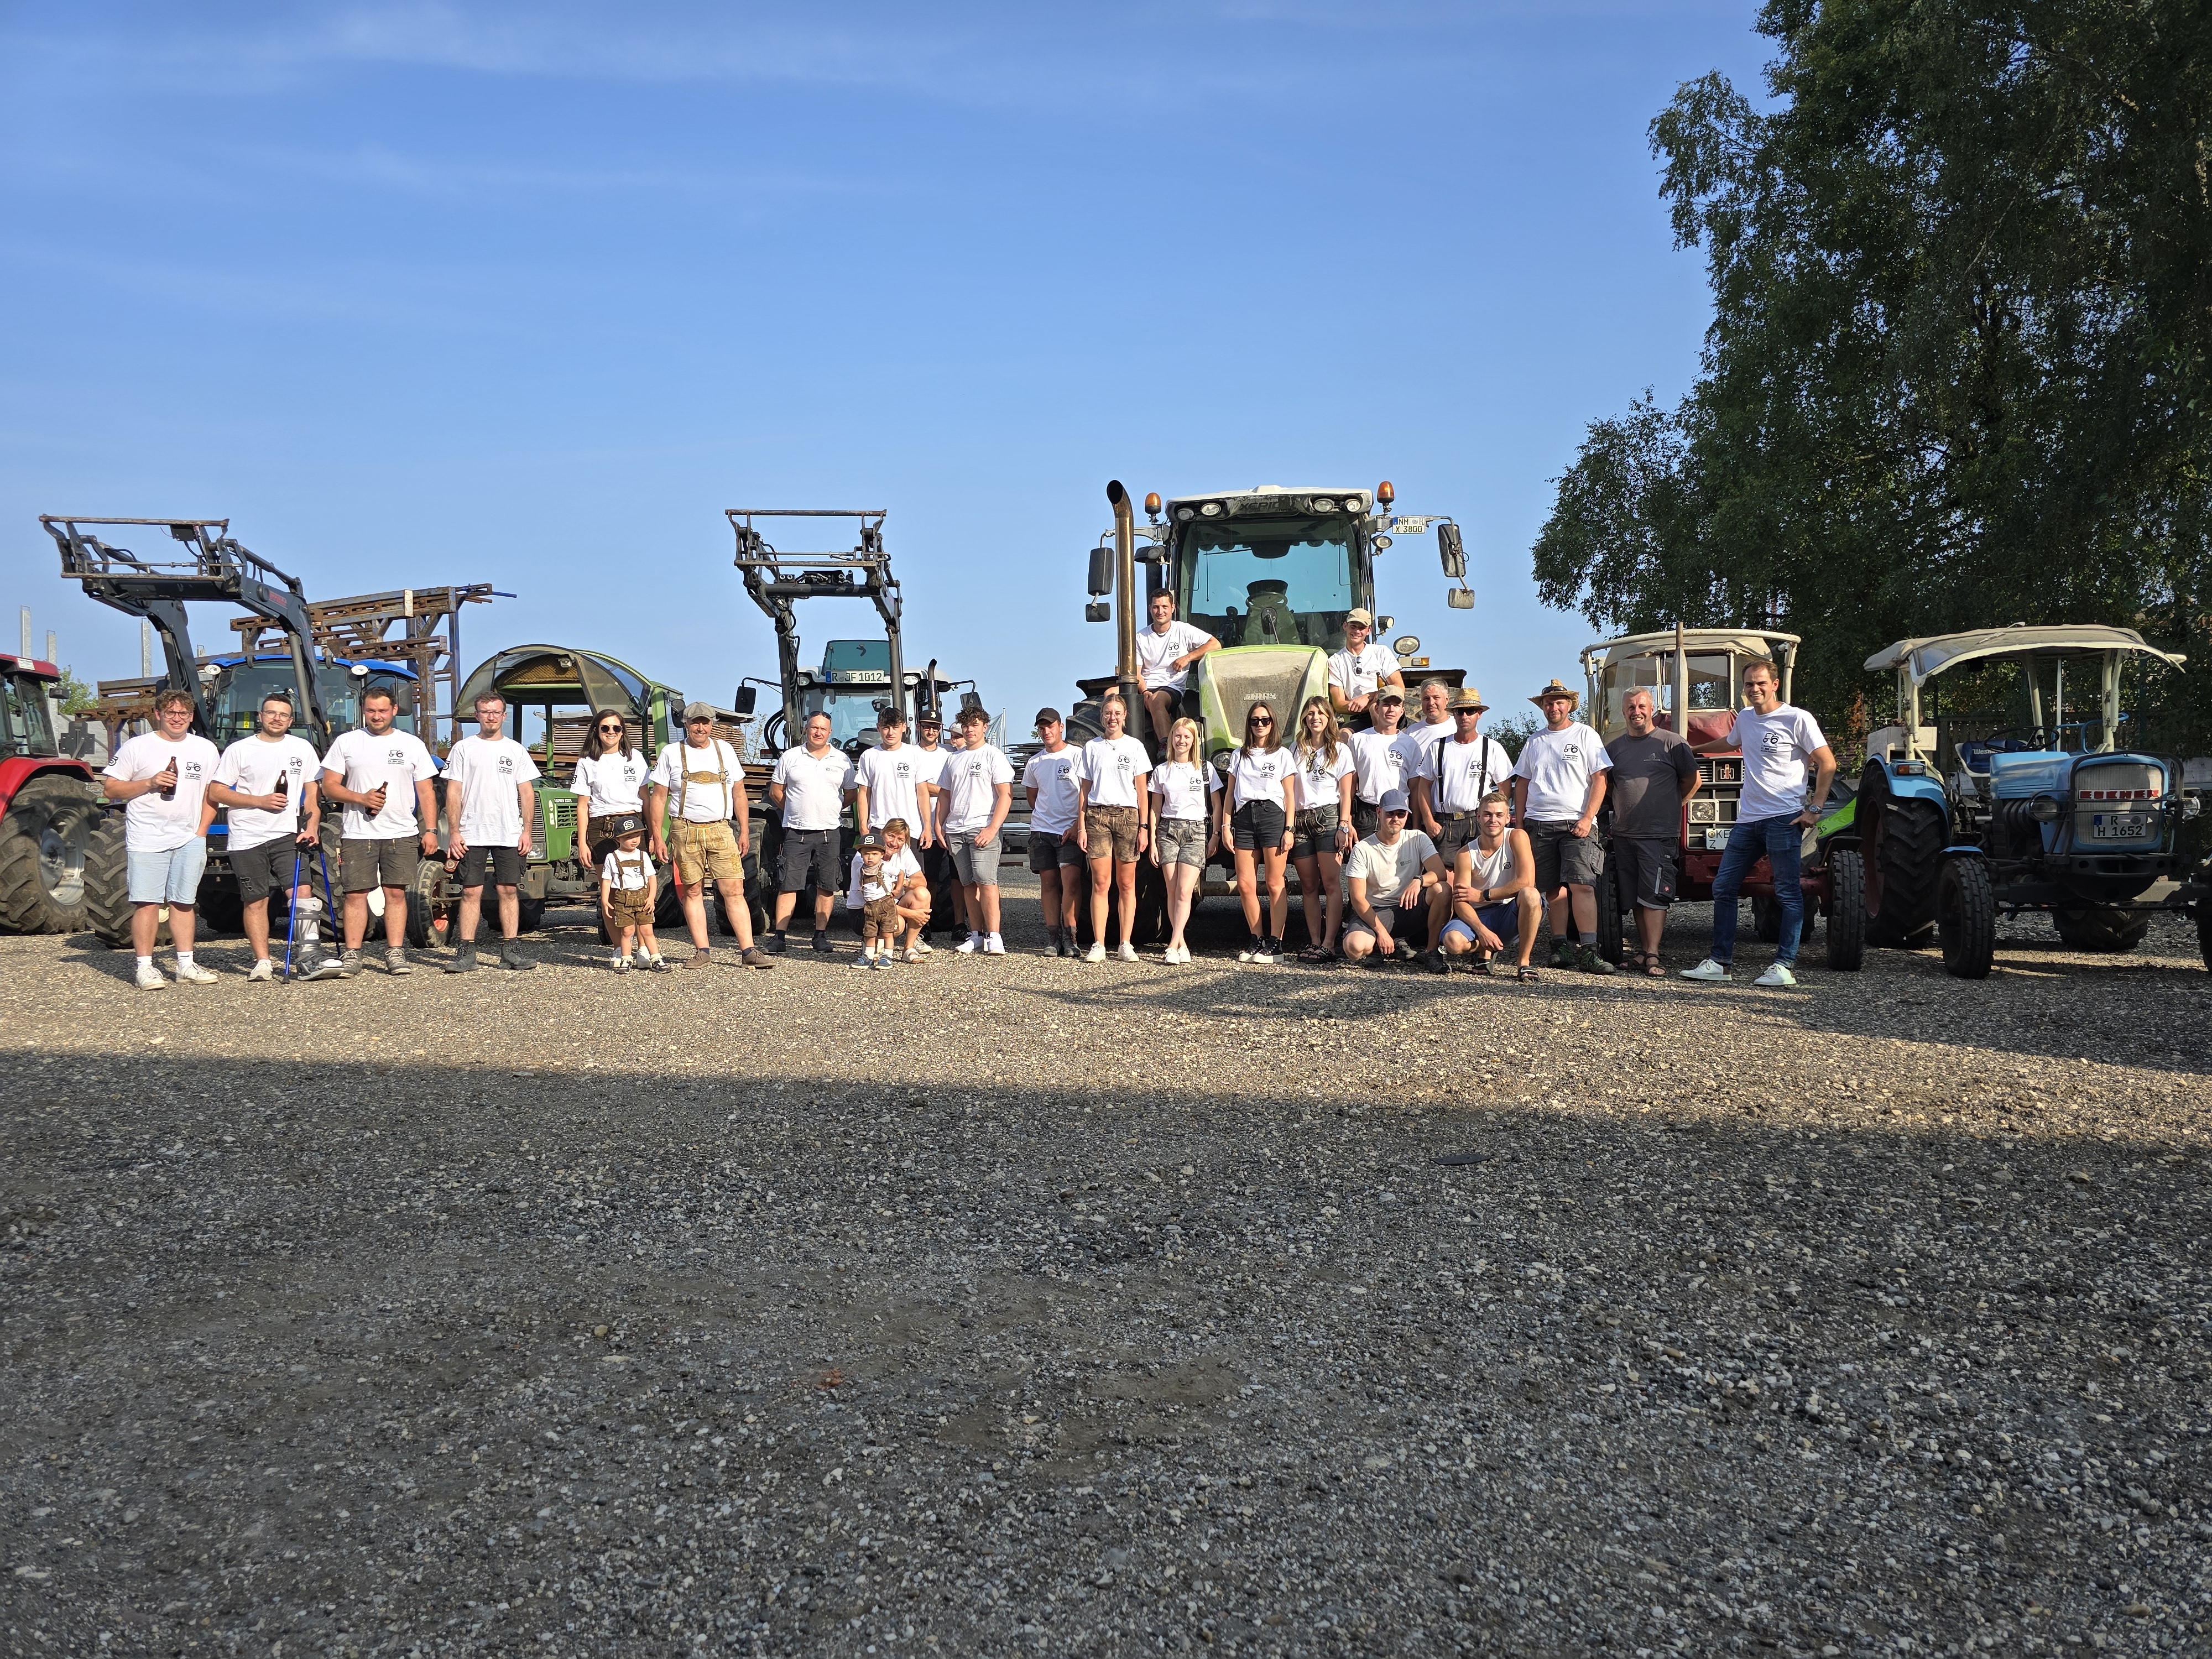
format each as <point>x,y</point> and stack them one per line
<point>1454,554</point>
<point>1101,574</point>
<point>1098,610</point>
<point>744,699</point>
<point>1459,599</point>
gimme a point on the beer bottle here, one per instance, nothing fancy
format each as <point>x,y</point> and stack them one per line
<point>168,791</point>
<point>283,783</point>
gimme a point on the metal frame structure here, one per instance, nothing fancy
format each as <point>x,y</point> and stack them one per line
<point>775,579</point>
<point>360,629</point>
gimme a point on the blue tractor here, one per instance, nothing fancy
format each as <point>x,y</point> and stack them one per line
<point>2005,786</point>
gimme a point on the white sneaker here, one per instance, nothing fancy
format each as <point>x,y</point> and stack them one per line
<point>261,972</point>
<point>993,946</point>
<point>1778,976</point>
<point>924,946</point>
<point>969,946</point>
<point>1251,949</point>
<point>150,978</point>
<point>1179,955</point>
<point>1709,971</point>
<point>190,972</point>
<point>1128,953</point>
<point>1097,953</point>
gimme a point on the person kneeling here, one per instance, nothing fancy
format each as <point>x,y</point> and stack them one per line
<point>1394,872</point>
<point>1494,890</point>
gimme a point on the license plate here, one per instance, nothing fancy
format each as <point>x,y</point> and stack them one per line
<point>2120,826</point>
<point>1716,840</point>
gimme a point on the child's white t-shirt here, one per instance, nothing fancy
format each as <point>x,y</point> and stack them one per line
<point>627,872</point>
<point>895,867</point>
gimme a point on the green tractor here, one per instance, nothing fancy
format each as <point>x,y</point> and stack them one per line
<point>551,693</point>
<point>1270,572</point>
<point>2004,785</point>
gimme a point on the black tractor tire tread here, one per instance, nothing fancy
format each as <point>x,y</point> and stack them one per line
<point>1966,918</point>
<point>2100,931</point>
<point>530,914</point>
<point>1847,916</point>
<point>1910,851</point>
<point>220,909</point>
<point>107,884</point>
<point>2204,932</point>
<point>1612,927</point>
<point>26,907</point>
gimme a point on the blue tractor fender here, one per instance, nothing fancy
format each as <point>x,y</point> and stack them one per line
<point>1911,780</point>
<point>1964,853</point>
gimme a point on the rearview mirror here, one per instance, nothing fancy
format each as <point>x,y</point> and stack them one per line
<point>1098,610</point>
<point>1102,573</point>
<point>744,699</point>
<point>1454,554</point>
<point>1459,599</point>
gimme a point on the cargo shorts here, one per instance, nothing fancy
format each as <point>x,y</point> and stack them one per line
<point>1111,830</point>
<point>706,852</point>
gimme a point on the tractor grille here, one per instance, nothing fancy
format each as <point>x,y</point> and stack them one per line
<point>2117,807</point>
<point>1234,680</point>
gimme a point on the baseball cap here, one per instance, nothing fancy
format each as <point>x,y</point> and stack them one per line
<point>1360,614</point>
<point>1389,694</point>
<point>931,717</point>
<point>1048,717</point>
<point>698,711</point>
<point>871,842</point>
<point>1394,800</point>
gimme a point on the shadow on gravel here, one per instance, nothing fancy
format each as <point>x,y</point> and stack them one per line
<point>382,1357</point>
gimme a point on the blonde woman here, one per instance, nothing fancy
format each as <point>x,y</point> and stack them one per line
<point>1320,830</point>
<point>1185,838</point>
<point>1254,819</point>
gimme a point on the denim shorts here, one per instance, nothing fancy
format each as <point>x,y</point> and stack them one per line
<point>1257,826</point>
<point>1313,832</point>
<point>977,866</point>
<point>168,878</point>
<point>1181,841</point>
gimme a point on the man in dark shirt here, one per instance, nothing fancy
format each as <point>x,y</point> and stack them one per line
<point>1653,774</point>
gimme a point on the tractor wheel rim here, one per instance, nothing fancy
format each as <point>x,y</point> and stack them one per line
<point>61,865</point>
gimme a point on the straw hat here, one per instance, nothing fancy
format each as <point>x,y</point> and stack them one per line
<point>1556,688</point>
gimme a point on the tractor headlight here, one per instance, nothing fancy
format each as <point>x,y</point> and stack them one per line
<point>1212,509</point>
<point>1324,504</point>
<point>1184,514</point>
<point>2044,809</point>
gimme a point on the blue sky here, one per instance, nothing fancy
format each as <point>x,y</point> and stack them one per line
<point>418,293</point>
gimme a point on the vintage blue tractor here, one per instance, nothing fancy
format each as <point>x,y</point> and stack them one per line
<point>2004,786</point>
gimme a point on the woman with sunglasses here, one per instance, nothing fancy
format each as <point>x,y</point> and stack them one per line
<point>1255,820</point>
<point>608,779</point>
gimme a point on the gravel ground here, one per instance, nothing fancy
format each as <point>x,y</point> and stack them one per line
<point>1024,1305</point>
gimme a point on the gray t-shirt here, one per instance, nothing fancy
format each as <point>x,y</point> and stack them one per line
<point>1645,790</point>
<point>1386,869</point>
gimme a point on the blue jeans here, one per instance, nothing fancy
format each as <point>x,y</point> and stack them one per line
<point>1778,838</point>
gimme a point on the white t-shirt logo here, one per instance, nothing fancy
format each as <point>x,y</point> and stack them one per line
<point>395,756</point>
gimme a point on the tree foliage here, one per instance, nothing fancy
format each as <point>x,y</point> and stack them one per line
<point>1959,370</point>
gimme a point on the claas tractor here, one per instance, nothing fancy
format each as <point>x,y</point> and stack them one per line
<point>48,807</point>
<point>1271,571</point>
<point>2006,784</point>
<point>1695,677</point>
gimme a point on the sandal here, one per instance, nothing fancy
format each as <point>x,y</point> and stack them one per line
<point>1525,974</point>
<point>1316,953</point>
<point>1653,968</point>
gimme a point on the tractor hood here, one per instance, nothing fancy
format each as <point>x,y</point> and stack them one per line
<point>1924,658</point>
<point>1228,681</point>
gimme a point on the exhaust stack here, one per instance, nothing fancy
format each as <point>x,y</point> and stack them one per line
<point>1125,565</point>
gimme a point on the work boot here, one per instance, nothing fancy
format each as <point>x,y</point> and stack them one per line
<point>349,964</point>
<point>510,956</point>
<point>465,960</point>
<point>1563,953</point>
<point>822,942</point>
<point>700,958</point>
<point>775,943</point>
<point>395,961</point>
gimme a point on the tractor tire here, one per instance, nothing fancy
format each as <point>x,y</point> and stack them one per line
<point>422,908</point>
<point>2100,931</point>
<point>2204,932</point>
<point>1847,916</point>
<point>1966,918</point>
<point>529,913</point>
<point>42,847</point>
<point>1766,918</point>
<point>1152,904</point>
<point>108,886</point>
<point>1906,856</point>
<point>1611,931</point>
<point>220,908</point>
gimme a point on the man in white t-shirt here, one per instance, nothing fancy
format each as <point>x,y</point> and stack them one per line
<point>1362,667</point>
<point>1435,723</point>
<point>270,783</point>
<point>1391,879</point>
<point>490,807</point>
<point>164,774</point>
<point>1781,744</point>
<point>707,781</point>
<point>978,792</point>
<point>893,780</point>
<point>1113,804</point>
<point>809,787</point>
<point>382,776</point>
<point>1165,653</point>
<point>1559,784</point>
<point>1055,854</point>
<point>1455,773</point>
<point>1385,756</point>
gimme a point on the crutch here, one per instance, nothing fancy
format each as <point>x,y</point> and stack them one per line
<point>329,966</point>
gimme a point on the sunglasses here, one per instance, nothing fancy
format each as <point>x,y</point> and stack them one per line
<point>616,726</point>
<point>1260,719</point>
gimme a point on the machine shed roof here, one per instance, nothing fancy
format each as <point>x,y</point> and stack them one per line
<point>1924,658</point>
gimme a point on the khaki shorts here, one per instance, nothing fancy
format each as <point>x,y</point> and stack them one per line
<point>879,919</point>
<point>630,907</point>
<point>706,852</point>
<point>1110,829</point>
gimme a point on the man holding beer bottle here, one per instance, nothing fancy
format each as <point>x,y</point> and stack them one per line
<point>381,776</point>
<point>269,781</point>
<point>164,774</point>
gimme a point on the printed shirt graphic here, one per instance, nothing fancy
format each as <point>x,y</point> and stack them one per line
<point>1356,673</point>
<point>1778,749</point>
<point>1111,766</point>
<point>612,783</point>
<point>397,761</point>
<point>251,766</point>
<point>1317,776</point>
<point>1053,777</point>
<point>972,778</point>
<point>491,772</point>
<point>1559,766</point>
<point>151,824</point>
<point>1183,789</point>
<point>1155,651</point>
<point>893,778</point>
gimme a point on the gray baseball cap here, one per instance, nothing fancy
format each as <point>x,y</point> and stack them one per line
<point>698,711</point>
<point>1394,800</point>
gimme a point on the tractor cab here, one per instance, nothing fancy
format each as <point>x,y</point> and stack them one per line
<point>27,719</point>
<point>2004,781</point>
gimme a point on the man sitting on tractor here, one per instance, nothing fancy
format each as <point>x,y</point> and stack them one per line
<point>1780,744</point>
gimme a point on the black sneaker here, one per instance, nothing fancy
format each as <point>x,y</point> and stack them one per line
<point>1563,954</point>
<point>510,956</point>
<point>821,942</point>
<point>465,960</point>
<point>1435,960</point>
<point>774,944</point>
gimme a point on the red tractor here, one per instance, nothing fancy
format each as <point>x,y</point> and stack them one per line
<point>1699,672</point>
<point>49,806</point>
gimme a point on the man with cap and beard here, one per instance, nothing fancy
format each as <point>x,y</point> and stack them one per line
<point>709,781</point>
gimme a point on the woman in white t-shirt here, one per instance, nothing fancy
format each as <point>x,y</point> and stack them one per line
<point>1321,831</point>
<point>610,781</point>
<point>1254,819</point>
<point>1184,839</point>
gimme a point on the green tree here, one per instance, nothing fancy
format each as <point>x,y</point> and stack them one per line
<point>1960,369</point>
<point>76,697</point>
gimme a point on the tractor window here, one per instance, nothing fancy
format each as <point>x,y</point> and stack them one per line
<point>1285,581</point>
<point>852,712</point>
<point>1712,689</point>
<point>26,725</point>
